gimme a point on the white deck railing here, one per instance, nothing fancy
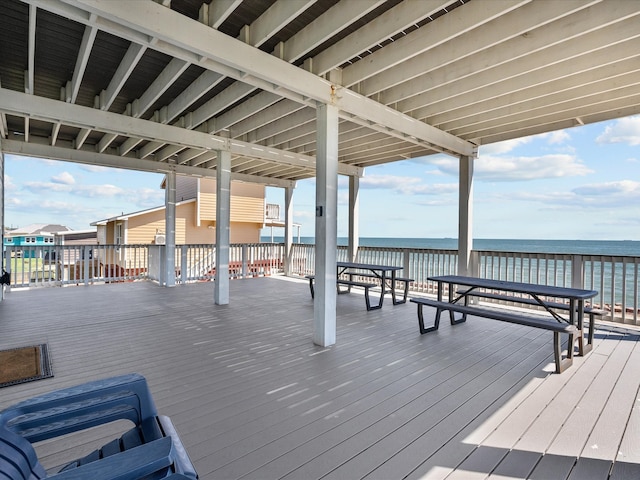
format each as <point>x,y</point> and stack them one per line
<point>616,278</point>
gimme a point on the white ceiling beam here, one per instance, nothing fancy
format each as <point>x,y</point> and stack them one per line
<point>81,138</point>
<point>277,16</point>
<point>196,90</point>
<point>86,45</point>
<point>545,65</point>
<point>279,110</point>
<point>218,11</point>
<point>554,79</point>
<point>184,38</point>
<point>524,113</point>
<point>167,77</point>
<point>326,26</point>
<point>31,59</point>
<point>390,23</point>
<point>246,109</point>
<point>223,100</point>
<point>90,157</point>
<point>560,40</point>
<point>123,72</point>
<point>15,103</point>
<point>441,31</point>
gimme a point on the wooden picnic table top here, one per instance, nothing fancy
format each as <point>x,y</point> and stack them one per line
<point>517,287</point>
<point>368,266</point>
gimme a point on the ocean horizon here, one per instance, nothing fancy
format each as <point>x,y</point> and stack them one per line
<point>584,247</point>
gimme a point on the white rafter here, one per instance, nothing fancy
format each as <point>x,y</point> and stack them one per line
<point>182,38</point>
<point>34,149</point>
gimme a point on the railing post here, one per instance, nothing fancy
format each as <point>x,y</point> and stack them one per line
<point>162,271</point>
<point>474,264</point>
<point>406,254</point>
<point>577,271</point>
<point>244,260</point>
<point>85,264</point>
<point>184,266</point>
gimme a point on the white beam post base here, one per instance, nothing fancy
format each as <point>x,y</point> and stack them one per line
<point>288,229</point>
<point>354,217</point>
<point>170,230</point>
<point>465,216</point>
<point>324,308</point>
<point>223,212</point>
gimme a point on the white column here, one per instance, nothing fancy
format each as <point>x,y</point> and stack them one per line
<point>354,217</point>
<point>170,230</point>
<point>223,215</point>
<point>465,216</point>
<point>2,217</point>
<point>288,229</point>
<point>324,308</point>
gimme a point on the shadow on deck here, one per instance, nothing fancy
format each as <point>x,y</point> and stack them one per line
<point>252,397</point>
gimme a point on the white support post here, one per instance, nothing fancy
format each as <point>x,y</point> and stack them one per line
<point>223,215</point>
<point>288,230</point>
<point>170,230</point>
<point>2,261</point>
<point>465,216</point>
<point>324,308</point>
<point>354,217</point>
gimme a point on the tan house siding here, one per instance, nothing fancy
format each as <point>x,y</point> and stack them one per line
<point>243,208</point>
<point>143,228</point>
<point>239,233</point>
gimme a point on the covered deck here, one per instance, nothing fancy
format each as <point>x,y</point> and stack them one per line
<point>253,397</point>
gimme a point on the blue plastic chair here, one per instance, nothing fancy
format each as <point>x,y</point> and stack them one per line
<point>151,449</point>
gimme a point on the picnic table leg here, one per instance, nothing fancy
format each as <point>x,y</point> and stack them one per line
<point>452,316</point>
<point>578,310</point>
<point>436,323</point>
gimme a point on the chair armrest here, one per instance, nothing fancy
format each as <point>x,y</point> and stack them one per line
<point>183,463</point>
<point>128,465</point>
<point>82,406</point>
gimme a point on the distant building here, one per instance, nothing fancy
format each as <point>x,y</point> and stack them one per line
<point>34,235</point>
<point>195,216</point>
<point>45,235</point>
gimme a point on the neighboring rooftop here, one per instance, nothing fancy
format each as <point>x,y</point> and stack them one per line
<point>38,229</point>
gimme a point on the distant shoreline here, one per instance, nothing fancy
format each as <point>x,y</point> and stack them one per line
<point>586,247</point>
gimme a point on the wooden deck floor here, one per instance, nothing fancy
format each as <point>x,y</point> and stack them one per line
<point>253,398</point>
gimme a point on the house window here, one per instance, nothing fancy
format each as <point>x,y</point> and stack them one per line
<point>9,239</point>
<point>118,234</point>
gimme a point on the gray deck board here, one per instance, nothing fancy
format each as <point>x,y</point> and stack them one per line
<point>252,397</point>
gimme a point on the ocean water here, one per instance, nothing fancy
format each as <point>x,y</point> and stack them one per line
<point>584,247</point>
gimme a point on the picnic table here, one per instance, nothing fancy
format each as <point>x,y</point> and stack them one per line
<point>386,274</point>
<point>571,301</point>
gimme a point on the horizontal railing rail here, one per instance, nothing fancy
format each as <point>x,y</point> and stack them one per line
<point>616,278</point>
<point>57,265</point>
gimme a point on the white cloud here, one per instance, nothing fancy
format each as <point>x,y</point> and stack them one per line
<point>8,184</point>
<point>624,130</point>
<point>406,185</point>
<point>64,178</point>
<point>554,138</point>
<point>503,147</point>
<point>619,195</point>
<point>43,188</point>
<point>94,168</point>
<point>510,169</point>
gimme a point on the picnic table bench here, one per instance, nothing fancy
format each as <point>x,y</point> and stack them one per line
<point>537,294</point>
<point>385,274</point>
<point>588,310</point>
<point>562,363</point>
<point>349,283</point>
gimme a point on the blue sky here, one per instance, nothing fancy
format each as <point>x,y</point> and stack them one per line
<point>579,183</point>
